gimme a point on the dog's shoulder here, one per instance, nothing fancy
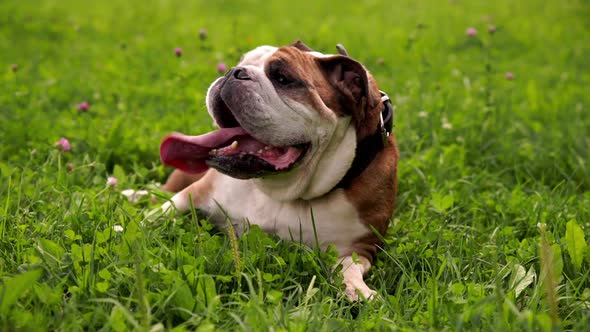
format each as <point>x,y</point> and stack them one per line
<point>373,192</point>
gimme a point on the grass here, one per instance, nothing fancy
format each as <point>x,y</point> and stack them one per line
<point>491,228</point>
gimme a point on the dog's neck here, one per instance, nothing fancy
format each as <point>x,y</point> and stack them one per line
<point>319,175</point>
<point>368,148</point>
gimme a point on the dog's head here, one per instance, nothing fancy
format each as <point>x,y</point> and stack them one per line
<point>289,117</point>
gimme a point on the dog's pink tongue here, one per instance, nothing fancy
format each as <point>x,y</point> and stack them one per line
<point>188,153</point>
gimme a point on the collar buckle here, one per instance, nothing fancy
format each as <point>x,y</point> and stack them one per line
<point>384,133</point>
<point>386,117</point>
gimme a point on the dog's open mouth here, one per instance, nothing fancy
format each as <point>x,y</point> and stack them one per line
<point>231,151</point>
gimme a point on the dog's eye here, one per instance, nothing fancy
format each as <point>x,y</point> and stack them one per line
<point>282,79</point>
<point>279,73</point>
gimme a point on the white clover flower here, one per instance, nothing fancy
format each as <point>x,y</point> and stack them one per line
<point>134,195</point>
<point>446,124</point>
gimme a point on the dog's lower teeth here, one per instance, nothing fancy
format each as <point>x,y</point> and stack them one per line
<point>213,152</point>
<point>234,145</point>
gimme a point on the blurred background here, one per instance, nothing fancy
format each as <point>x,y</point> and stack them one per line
<point>492,122</point>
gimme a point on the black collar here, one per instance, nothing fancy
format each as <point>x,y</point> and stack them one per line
<point>368,147</point>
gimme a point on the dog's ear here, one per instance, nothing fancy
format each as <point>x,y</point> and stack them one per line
<point>348,76</point>
<point>359,94</point>
<point>298,44</point>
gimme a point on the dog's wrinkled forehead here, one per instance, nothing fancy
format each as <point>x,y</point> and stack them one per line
<point>258,56</point>
<point>262,54</point>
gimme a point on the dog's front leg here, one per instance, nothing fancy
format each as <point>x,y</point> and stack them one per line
<point>179,180</point>
<point>194,195</point>
<point>353,278</point>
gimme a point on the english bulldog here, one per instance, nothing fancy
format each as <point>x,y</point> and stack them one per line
<point>304,149</point>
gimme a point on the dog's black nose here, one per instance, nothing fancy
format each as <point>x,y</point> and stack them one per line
<point>240,73</point>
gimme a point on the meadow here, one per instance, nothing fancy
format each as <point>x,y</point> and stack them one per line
<point>493,217</point>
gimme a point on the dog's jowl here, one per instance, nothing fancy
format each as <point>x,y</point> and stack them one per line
<point>298,131</point>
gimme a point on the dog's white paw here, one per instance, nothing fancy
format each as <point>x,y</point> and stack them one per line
<point>166,208</point>
<point>161,213</point>
<point>360,292</point>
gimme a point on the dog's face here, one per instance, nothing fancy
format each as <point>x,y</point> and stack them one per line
<point>289,117</point>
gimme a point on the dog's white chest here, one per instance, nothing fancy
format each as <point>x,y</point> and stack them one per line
<point>332,217</point>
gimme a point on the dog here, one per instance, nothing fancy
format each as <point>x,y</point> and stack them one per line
<point>302,150</point>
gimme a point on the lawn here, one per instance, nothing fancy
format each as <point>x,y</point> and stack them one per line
<point>493,217</point>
